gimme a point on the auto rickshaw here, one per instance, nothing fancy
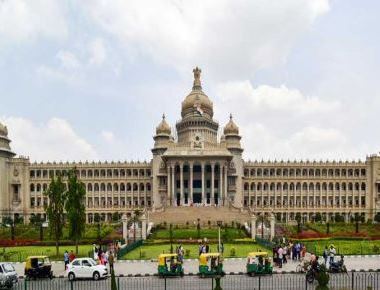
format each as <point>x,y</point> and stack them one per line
<point>38,267</point>
<point>175,266</point>
<point>210,265</point>
<point>259,263</point>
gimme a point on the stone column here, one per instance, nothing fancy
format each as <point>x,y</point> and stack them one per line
<point>203,182</point>
<point>143,227</point>
<point>191,182</point>
<point>212,201</point>
<point>124,219</point>
<point>173,189</point>
<point>272,224</point>
<point>225,195</point>
<point>181,185</point>
<point>168,184</point>
<point>253,227</point>
<point>220,185</point>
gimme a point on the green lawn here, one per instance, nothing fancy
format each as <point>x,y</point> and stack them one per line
<point>229,233</point>
<point>152,251</point>
<point>345,247</point>
<point>19,254</point>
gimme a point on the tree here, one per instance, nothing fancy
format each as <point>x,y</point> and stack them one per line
<point>55,209</point>
<point>37,221</point>
<point>357,219</point>
<point>339,218</point>
<point>115,217</point>
<point>318,217</point>
<point>97,220</point>
<point>298,219</point>
<point>377,217</point>
<point>75,207</point>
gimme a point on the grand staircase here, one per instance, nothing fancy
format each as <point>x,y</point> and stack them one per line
<point>183,215</point>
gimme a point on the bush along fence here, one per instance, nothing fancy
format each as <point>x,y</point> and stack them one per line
<point>351,280</point>
<point>265,243</point>
<point>128,248</point>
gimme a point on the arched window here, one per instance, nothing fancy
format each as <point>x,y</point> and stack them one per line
<point>122,172</point>
<point>142,187</point>
<point>38,187</point>
<point>109,187</point>
<point>89,187</point>
<point>285,186</point>
<point>350,186</point>
<point>337,186</point>
<point>363,186</point>
<point>32,187</point>
<point>304,186</point>
<point>265,186</point>
<point>259,172</point>
<point>357,186</point>
<point>344,186</point>
<point>253,172</point>
<point>259,186</point>
<point>83,173</point>
<point>331,186</point>
<point>253,186</point>
<point>311,186</point>
<point>103,173</point>
<point>89,173</point>
<point>278,186</point>
<point>122,187</point>
<point>148,187</point>
<point>246,186</point>
<point>115,187</point>
<point>318,186</point>
<point>135,187</point>
<point>96,187</point>
<point>291,186</point>
<point>298,186</point>
<point>272,186</point>
<point>102,187</point>
<point>129,187</point>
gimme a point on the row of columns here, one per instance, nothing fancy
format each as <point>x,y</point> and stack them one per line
<point>171,175</point>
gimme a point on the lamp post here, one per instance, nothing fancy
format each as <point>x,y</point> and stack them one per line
<point>219,223</point>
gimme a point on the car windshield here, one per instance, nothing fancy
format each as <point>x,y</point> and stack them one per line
<point>8,268</point>
<point>92,262</point>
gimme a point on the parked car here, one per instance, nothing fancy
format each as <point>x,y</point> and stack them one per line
<point>8,276</point>
<point>86,268</point>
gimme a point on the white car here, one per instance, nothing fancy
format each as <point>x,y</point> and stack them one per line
<point>86,268</point>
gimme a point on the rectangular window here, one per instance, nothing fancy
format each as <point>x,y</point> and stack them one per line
<point>208,183</point>
<point>186,183</point>
<point>197,184</point>
<point>178,183</point>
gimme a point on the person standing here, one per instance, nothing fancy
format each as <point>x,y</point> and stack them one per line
<point>111,260</point>
<point>285,252</point>
<point>280,254</point>
<point>325,254</point>
<point>71,256</point>
<point>332,254</point>
<point>66,259</point>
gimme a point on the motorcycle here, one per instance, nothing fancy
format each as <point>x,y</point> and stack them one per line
<point>312,273</point>
<point>338,267</point>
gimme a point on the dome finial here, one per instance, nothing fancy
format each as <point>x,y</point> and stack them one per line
<point>231,116</point>
<point>163,116</point>
<point>197,79</point>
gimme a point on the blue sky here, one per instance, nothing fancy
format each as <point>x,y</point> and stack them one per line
<point>90,79</point>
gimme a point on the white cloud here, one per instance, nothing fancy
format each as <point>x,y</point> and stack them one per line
<point>53,140</point>
<point>229,38</point>
<point>97,52</point>
<point>108,136</point>
<point>27,20</point>
<point>68,59</point>
<point>282,123</point>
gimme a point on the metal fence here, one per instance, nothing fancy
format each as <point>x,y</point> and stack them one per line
<point>123,251</point>
<point>350,281</point>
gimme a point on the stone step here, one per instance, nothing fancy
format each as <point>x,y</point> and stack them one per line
<point>182,215</point>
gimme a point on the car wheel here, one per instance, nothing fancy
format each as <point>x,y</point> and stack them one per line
<point>96,276</point>
<point>71,276</point>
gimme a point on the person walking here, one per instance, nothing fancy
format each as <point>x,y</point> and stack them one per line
<point>66,259</point>
<point>71,256</point>
<point>285,252</point>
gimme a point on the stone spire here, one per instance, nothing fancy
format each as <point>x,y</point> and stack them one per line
<point>197,86</point>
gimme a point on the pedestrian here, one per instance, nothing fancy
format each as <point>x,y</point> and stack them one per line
<point>66,259</point>
<point>285,252</point>
<point>207,248</point>
<point>111,261</point>
<point>200,248</point>
<point>325,254</point>
<point>298,251</point>
<point>332,254</point>
<point>71,256</point>
<point>280,253</point>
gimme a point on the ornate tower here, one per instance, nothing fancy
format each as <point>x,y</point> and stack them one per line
<point>5,155</point>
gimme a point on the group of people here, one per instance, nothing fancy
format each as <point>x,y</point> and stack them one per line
<point>289,250</point>
<point>104,257</point>
<point>181,253</point>
<point>68,258</point>
<point>329,254</point>
<point>204,247</point>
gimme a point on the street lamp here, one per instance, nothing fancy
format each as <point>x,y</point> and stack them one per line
<point>219,223</point>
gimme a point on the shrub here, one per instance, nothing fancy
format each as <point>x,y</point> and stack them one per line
<point>142,254</point>
<point>187,253</point>
<point>376,249</point>
<point>232,252</point>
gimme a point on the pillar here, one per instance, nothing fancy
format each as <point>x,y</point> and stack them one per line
<point>212,201</point>
<point>124,220</point>
<point>225,196</point>
<point>191,182</point>
<point>272,224</point>
<point>143,227</point>
<point>181,185</point>
<point>253,227</point>
<point>173,190</point>
<point>203,182</point>
<point>220,185</point>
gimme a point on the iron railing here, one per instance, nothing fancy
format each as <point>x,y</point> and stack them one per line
<point>350,281</point>
<point>123,251</point>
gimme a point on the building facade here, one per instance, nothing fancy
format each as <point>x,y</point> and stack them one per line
<point>201,166</point>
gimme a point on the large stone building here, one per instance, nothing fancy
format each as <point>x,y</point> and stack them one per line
<point>198,167</point>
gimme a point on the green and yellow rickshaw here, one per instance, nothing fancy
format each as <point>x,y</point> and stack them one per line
<point>38,267</point>
<point>210,265</point>
<point>174,268</point>
<point>259,263</point>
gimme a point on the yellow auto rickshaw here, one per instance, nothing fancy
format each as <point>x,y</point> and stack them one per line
<point>169,266</point>
<point>38,267</point>
<point>210,265</point>
<point>259,263</point>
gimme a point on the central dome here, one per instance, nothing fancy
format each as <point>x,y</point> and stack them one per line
<point>197,102</point>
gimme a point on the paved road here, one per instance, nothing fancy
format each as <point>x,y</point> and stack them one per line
<point>231,282</point>
<point>230,265</point>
